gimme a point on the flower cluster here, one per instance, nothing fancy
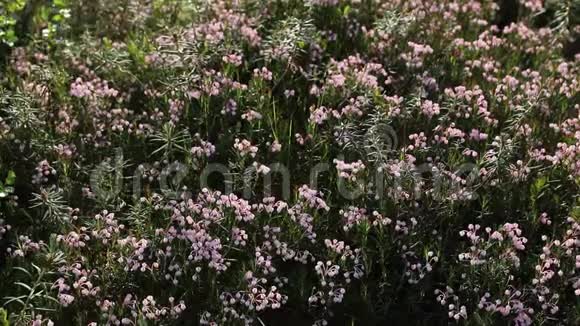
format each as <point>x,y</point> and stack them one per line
<point>318,162</point>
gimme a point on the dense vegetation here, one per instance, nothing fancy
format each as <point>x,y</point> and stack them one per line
<point>325,162</point>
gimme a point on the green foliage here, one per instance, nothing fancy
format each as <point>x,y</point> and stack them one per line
<point>39,18</point>
<point>4,318</point>
<point>8,18</point>
<point>7,187</point>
